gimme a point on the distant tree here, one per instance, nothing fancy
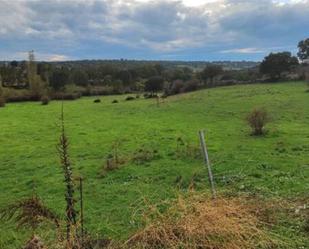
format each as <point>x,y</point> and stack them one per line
<point>303,49</point>
<point>80,78</point>
<point>108,80</point>
<point>2,99</point>
<point>276,63</point>
<point>147,71</point>
<point>180,73</point>
<point>58,79</point>
<point>210,72</point>
<point>154,84</point>
<point>36,84</point>
<point>125,77</point>
<point>14,64</point>
<point>159,68</point>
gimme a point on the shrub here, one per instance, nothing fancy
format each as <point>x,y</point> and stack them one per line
<point>45,100</point>
<point>190,86</point>
<point>115,101</point>
<point>97,101</point>
<point>18,95</point>
<point>65,96</point>
<point>145,155</point>
<point>2,101</point>
<point>129,98</point>
<point>175,87</point>
<point>257,119</point>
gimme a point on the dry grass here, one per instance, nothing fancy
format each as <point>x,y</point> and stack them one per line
<point>197,222</point>
<point>29,213</point>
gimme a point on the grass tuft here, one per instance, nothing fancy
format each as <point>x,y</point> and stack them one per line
<point>197,221</point>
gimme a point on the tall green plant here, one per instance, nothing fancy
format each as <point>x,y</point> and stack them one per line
<point>63,147</point>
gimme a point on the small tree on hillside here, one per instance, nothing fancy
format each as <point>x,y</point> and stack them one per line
<point>36,84</point>
<point>154,84</point>
<point>257,119</point>
<point>276,63</point>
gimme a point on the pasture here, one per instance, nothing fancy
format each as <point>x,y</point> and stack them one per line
<point>160,151</point>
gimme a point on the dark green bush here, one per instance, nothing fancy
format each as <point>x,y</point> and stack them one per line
<point>45,100</point>
<point>66,96</point>
<point>129,98</point>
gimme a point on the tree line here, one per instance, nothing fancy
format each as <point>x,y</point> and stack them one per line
<point>32,80</point>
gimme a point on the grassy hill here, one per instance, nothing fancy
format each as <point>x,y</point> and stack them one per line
<point>160,150</point>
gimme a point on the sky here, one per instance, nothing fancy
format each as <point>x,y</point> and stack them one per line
<point>207,30</point>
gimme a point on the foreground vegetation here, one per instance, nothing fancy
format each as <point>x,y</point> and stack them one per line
<point>158,152</point>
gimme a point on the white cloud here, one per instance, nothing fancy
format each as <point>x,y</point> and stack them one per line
<point>243,51</point>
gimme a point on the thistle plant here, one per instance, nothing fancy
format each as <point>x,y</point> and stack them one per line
<point>63,147</point>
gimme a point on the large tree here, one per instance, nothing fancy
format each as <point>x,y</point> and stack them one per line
<point>79,77</point>
<point>59,79</point>
<point>303,49</point>
<point>154,84</point>
<point>276,63</point>
<point>210,72</point>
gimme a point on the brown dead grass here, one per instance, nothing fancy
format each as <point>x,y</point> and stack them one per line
<point>198,222</point>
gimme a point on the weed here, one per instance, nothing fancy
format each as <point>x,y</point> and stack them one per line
<point>257,120</point>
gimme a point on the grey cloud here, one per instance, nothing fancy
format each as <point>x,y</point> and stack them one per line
<point>158,25</point>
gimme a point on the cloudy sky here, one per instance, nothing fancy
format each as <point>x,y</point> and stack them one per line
<point>145,29</point>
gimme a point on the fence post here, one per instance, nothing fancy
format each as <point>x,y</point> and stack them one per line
<point>81,209</point>
<point>206,158</point>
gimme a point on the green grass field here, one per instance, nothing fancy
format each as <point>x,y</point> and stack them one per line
<point>273,166</point>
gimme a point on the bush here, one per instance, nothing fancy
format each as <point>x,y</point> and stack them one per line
<point>115,101</point>
<point>179,86</point>
<point>175,87</point>
<point>97,101</point>
<point>129,98</point>
<point>257,120</point>
<point>18,95</point>
<point>2,101</point>
<point>145,155</point>
<point>45,100</point>
<point>190,86</point>
<point>66,96</point>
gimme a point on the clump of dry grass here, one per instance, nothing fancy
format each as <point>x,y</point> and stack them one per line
<point>29,213</point>
<point>34,243</point>
<point>199,222</point>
